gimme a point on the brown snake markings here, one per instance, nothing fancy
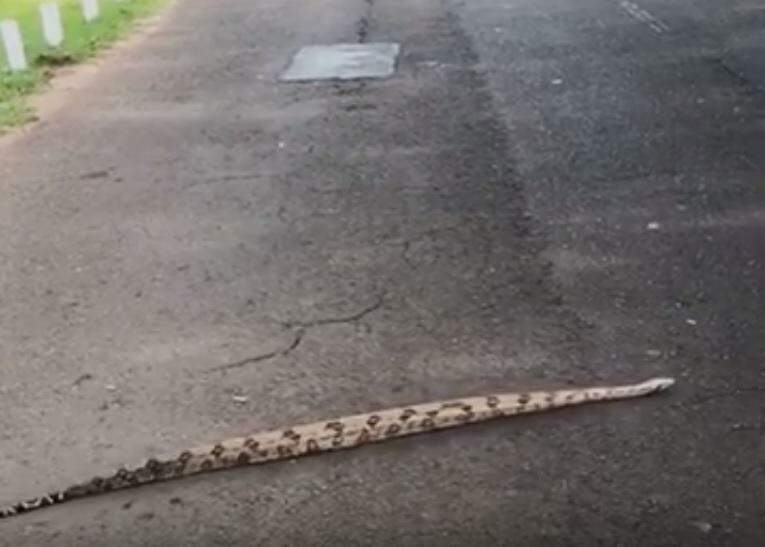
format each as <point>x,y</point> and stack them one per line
<point>345,432</point>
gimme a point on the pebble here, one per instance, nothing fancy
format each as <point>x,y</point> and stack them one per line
<point>704,527</point>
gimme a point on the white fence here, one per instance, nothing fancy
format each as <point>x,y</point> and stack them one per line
<point>52,31</point>
<point>14,46</point>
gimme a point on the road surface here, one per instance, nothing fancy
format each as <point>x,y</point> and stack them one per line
<point>547,193</point>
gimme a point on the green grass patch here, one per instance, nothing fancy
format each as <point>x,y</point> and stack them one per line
<point>81,40</point>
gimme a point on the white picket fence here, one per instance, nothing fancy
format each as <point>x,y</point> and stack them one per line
<point>52,30</point>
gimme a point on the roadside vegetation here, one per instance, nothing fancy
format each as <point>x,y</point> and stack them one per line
<point>81,40</point>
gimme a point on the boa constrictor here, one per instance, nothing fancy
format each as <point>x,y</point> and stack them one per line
<point>341,433</point>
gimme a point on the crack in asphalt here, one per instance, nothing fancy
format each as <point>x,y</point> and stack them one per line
<point>297,338</point>
<point>337,320</point>
<point>362,30</point>
<point>300,328</point>
<point>362,25</point>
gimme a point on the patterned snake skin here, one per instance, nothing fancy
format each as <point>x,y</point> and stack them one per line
<point>345,432</point>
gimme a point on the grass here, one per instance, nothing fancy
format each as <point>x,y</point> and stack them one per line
<point>81,40</point>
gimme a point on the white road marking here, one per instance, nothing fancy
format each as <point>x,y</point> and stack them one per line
<point>638,13</point>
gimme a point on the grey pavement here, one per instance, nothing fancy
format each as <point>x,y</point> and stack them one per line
<point>546,193</point>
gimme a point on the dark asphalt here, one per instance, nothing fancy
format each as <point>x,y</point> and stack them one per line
<point>547,193</point>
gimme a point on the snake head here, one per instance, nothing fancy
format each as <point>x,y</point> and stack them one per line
<point>657,385</point>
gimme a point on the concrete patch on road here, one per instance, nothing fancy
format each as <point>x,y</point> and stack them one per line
<point>342,62</point>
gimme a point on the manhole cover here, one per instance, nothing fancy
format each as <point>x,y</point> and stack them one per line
<point>342,62</point>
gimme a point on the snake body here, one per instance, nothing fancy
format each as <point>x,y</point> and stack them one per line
<point>345,432</point>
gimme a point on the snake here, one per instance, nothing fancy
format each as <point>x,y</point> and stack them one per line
<point>342,433</point>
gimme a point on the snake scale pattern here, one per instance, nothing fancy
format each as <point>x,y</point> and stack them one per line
<point>338,434</point>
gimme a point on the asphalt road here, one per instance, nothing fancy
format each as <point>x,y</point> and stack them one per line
<point>547,193</point>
